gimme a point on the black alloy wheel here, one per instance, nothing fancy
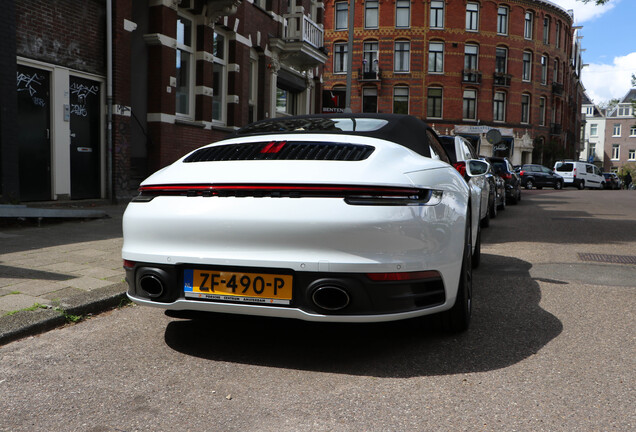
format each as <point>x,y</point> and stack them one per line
<point>457,319</point>
<point>529,184</point>
<point>558,185</point>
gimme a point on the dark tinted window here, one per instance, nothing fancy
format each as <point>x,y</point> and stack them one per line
<point>565,167</point>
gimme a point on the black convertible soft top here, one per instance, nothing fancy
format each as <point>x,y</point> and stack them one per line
<point>405,130</point>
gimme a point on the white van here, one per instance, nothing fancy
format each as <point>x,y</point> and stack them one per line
<point>580,174</point>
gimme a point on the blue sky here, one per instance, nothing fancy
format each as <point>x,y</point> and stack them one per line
<point>609,41</point>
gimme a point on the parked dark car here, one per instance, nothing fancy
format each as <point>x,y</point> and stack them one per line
<point>503,168</point>
<point>612,181</point>
<point>498,185</point>
<point>538,176</point>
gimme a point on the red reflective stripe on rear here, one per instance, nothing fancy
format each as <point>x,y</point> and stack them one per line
<point>362,189</point>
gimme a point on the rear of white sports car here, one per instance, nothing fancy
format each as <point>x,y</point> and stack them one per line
<point>321,227</point>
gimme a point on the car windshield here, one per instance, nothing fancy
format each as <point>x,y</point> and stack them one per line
<point>565,167</point>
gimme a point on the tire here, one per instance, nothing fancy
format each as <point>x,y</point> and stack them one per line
<point>493,208</point>
<point>558,185</point>
<point>457,319</point>
<point>529,184</point>
<point>485,222</point>
<point>581,185</point>
<point>513,199</point>
<point>502,206</point>
<point>476,258</point>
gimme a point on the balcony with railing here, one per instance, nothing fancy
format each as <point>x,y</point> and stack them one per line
<point>557,88</point>
<point>471,76</point>
<point>371,73</point>
<point>556,129</point>
<point>502,79</point>
<point>302,42</point>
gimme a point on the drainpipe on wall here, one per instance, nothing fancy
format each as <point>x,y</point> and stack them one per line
<point>109,100</point>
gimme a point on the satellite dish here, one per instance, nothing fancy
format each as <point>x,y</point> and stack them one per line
<point>493,136</point>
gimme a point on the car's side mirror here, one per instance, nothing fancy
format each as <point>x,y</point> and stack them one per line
<point>476,167</point>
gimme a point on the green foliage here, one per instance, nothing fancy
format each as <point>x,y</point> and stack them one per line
<point>627,168</point>
<point>598,2</point>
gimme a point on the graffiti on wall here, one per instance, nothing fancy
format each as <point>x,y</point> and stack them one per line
<point>31,84</point>
<point>81,92</point>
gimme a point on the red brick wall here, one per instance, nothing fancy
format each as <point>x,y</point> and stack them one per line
<point>63,32</point>
<point>455,38</point>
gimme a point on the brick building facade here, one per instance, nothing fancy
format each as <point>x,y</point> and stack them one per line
<point>96,112</point>
<point>620,135</point>
<point>465,67</point>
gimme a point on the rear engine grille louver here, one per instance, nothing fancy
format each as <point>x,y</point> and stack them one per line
<point>282,150</point>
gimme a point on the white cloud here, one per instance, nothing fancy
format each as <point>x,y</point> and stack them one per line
<point>609,81</point>
<point>586,11</point>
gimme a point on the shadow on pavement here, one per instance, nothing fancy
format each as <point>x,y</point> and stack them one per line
<point>546,221</point>
<point>508,326</point>
<point>17,236</point>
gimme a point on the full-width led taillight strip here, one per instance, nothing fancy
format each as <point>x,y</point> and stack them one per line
<point>354,195</point>
<point>167,189</point>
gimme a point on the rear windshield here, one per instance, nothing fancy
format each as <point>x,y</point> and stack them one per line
<point>320,124</point>
<point>500,167</point>
<point>565,167</point>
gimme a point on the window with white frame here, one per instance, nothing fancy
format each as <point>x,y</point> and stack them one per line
<point>502,20</point>
<point>369,100</point>
<point>472,16</point>
<point>594,129</point>
<point>617,130</point>
<point>252,96</point>
<point>437,14</point>
<point>546,30</point>
<point>501,60</point>
<point>589,111</point>
<point>631,154</point>
<point>525,108</point>
<point>219,77</point>
<point>528,25</point>
<point>471,53</point>
<point>436,57</point>
<point>401,100</point>
<point>371,9</point>
<point>544,69</point>
<point>340,57</point>
<point>632,131</point>
<point>402,56</point>
<point>286,101</point>
<point>184,94</point>
<point>402,13</point>
<point>526,72</point>
<point>370,56</point>
<point>624,111</point>
<point>342,15</point>
<point>469,108</point>
<point>542,111</point>
<point>616,151</point>
<point>499,107</point>
<point>592,151</point>
<point>434,98</point>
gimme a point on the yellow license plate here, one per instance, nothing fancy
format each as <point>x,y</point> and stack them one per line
<point>261,288</point>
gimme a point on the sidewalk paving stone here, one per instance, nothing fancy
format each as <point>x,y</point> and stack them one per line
<point>72,266</point>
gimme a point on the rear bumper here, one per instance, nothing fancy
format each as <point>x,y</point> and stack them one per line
<point>368,301</point>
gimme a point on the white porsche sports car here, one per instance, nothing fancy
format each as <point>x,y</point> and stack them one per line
<point>342,218</point>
